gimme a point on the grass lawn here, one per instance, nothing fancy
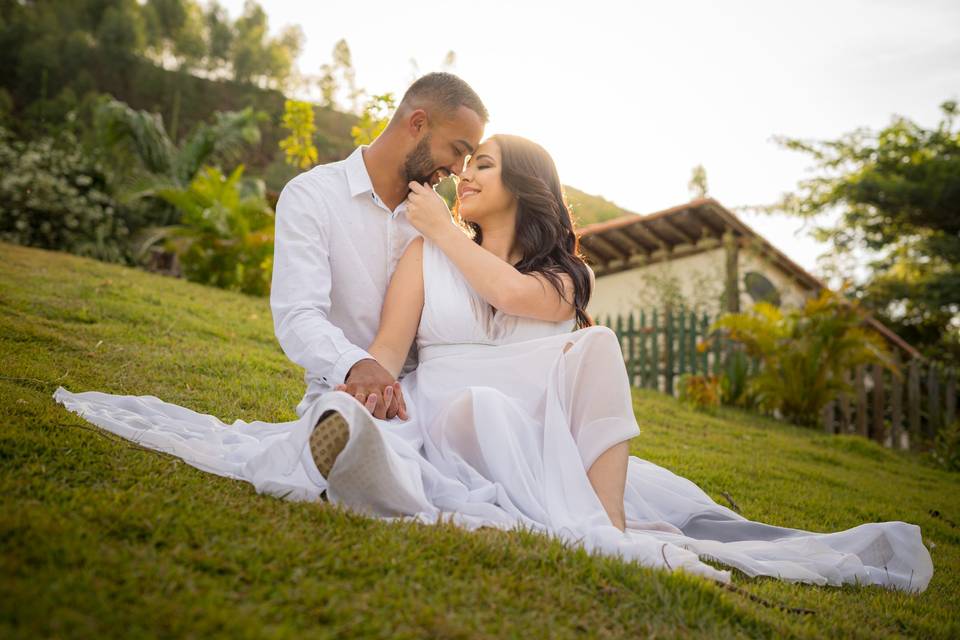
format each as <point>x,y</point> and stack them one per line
<point>101,538</point>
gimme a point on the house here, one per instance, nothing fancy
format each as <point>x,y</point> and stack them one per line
<point>700,256</point>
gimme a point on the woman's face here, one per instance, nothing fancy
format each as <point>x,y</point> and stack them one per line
<point>481,192</point>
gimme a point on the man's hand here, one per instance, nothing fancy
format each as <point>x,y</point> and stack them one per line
<point>427,211</point>
<point>375,388</point>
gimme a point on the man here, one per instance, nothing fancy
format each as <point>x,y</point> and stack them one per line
<point>340,230</point>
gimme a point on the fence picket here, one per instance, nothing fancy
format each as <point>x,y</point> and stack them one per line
<point>878,428</point>
<point>642,355</point>
<point>655,348</point>
<point>913,402</point>
<point>933,401</point>
<point>861,391</point>
<point>827,418</point>
<point>705,356</point>
<point>682,342</point>
<point>896,404</point>
<point>668,352</point>
<point>950,394</point>
<point>846,410</point>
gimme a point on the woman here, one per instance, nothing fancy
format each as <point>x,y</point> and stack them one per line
<point>514,418</point>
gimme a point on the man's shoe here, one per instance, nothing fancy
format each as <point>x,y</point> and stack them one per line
<point>328,439</point>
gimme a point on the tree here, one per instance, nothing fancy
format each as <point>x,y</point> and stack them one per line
<point>121,30</point>
<point>298,146</point>
<point>897,192</point>
<point>376,114</point>
<point>257,58</point>
<point>340,74</point>
<point>698,182</point>
<point>175,31</point>
<point>219,35</point>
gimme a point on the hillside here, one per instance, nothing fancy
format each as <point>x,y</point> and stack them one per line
<point>588,209</point>
<point>104,539</point>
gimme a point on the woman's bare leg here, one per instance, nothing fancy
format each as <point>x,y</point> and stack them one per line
<point>608,475</point>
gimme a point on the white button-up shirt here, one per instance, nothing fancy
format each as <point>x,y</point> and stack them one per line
<point>335,248</point>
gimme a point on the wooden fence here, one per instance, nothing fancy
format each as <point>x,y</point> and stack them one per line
<point>903,411</point>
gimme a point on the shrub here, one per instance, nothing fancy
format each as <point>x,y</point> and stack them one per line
<point>946,447</point>
<point>225,238</point>
<point>54,195</point>
<point>804,353</point>
<point>700,392</point>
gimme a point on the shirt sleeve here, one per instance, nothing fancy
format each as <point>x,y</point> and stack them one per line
<point>300,288</point>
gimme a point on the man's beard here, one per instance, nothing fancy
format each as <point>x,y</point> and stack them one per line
<point>419,165</point>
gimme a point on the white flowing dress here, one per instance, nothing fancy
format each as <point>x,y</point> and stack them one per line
<point>506,416</point>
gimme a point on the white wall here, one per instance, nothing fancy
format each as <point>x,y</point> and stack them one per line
<point>697,280</point>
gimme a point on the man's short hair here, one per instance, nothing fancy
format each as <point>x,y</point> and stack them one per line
<point>446,91</point>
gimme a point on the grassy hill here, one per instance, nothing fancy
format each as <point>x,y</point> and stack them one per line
<point>101,538</point>
<point>588,209</point>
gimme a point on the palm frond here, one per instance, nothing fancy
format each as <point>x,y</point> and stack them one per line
<point>230,133</point>
<point>143,132</point>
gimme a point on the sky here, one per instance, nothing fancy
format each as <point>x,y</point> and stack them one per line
<point>629,96</point>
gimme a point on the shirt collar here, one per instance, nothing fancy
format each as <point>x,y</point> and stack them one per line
<point>357,176</point>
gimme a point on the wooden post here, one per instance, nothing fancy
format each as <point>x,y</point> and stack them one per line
<point>731,288</point>
<point>682,342</point>
<point>896,403</point>
<point>913,402</point>
<point>631,350</point>
<point>644,377</point>
<point>719,349</point>
<point>668,352</point>
<point>846,411</point>
<point>655,348</point>
<point>933,401</point>
<point>827,417</point>
<point>705,356</point>
<point>879,428</point>
<point>861,391</point>
<point>950,395</point>
<point>694,360</point>
<point>618,329</point>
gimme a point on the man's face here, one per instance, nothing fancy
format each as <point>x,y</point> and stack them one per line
<point>443,148</point>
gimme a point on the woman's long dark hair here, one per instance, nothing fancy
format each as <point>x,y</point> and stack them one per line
<point>545,236</point>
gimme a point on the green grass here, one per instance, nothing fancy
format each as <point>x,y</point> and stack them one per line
<point>101,538</point>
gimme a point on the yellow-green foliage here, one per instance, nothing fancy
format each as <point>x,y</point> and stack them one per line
<point>225,237</point>
<point>701,392</point>
<point>298,146</point>
<point>376,114</point>
<point>804,352</point>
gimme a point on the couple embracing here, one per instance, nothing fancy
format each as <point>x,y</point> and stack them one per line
<point>454,373</point>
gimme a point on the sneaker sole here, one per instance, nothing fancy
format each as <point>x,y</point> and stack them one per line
<point>328,439</point>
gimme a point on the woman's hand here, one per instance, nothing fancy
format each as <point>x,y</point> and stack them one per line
<point>427,211</point>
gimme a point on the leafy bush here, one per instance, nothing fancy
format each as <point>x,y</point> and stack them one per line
<point>54,195</point>
<point>804,353</point>
<point>735,388</point>
<point>946,447</point>
<point>225,237</point>
<point>700,392</point>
